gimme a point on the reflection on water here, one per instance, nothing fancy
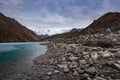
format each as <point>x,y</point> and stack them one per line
<point>18,56</point>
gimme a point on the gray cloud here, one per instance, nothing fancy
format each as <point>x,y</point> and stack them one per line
<point>11,4</point>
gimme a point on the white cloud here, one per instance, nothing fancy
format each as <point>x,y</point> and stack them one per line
<point>11,7</point>
<point>42,27</point>
<point>55,18</point>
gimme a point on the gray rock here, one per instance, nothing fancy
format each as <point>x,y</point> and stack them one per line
<point>86,56</point>
<point>56,71</point>
<point>99,78</point>
<point>82,61</point>
<point>73,58</point>
<point>64,67</point>
<point>85,53</point>
<point>91,70</point>
<point>94,49</point>
<point>73,64</point>
<point>84,76</point>
<point>66,70</point>
<point>106,53</point>
<point>118,61</point>
<point>94,55</point>
<point>117,66</point>
<point>75,73</point>
<point>49,73</point>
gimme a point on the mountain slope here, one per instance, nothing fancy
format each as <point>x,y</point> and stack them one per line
<point>109,22</point>
<point>61,36</point>
<point>13,31</point>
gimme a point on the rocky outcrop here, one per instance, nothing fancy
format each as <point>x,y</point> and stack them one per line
<point>13,31</point>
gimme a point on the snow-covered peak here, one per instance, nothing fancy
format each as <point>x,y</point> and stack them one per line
<point>49,31</point>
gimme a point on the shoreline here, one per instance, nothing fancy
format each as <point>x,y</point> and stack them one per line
<point>21,67</point>
<point>73,61</point>
<point>77,62</point>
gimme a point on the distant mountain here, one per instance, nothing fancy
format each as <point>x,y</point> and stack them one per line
<point>75,30</point>
<point>13,31</point>
<point>44,31</point>
<point>69,34</point>
<point>110,22</point>
<point>42,36</point>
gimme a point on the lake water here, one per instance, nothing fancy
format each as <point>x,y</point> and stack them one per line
<point>18,57</point>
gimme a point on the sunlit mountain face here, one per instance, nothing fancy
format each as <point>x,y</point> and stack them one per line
<point>57,16</point>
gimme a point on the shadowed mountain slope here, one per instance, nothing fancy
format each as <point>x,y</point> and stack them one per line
<point>109,22</point>
<point>13,31</point>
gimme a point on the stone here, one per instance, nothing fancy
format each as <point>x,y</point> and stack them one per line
<point>85,53</point>
<point>63,58</point>
<point>75,73</point>
<point>82,61</point>
<point>113,50</point>
<point>106,54</point>
<point>91,70</point>
<point>56,71</point>
<point>117,65</point>
<point>99,78</point>
<point>94,55</point>
<point>79,70</point>
<point>73,58</point>
<point>88,78</point>
<point>43,78</point>
<point>66,70</point>
<point>64,67</point>
<point>85,75</point>
<point>118,61</point>
<point>94,49</point>
<point>86,57</point>
<point>73,64</point>
<point>49,73</point>
<point>72,45</point>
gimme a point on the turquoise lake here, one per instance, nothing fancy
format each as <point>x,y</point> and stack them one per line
<point>16,57</point>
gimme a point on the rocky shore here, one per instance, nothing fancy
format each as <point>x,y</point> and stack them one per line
<point>90,59</point>
<point>87,57</point>
<point>91,54</point>
<point>77,62</point>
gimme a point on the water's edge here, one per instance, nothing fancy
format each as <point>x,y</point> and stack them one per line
<point>19,68</point>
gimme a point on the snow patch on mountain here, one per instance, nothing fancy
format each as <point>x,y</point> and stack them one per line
<point>42,31</point>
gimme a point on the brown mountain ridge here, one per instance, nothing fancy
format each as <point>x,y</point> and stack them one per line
<point>13,31</point>
<point>109,22</point>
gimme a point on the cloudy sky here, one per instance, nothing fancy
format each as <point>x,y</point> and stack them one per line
<point>56,16</point>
